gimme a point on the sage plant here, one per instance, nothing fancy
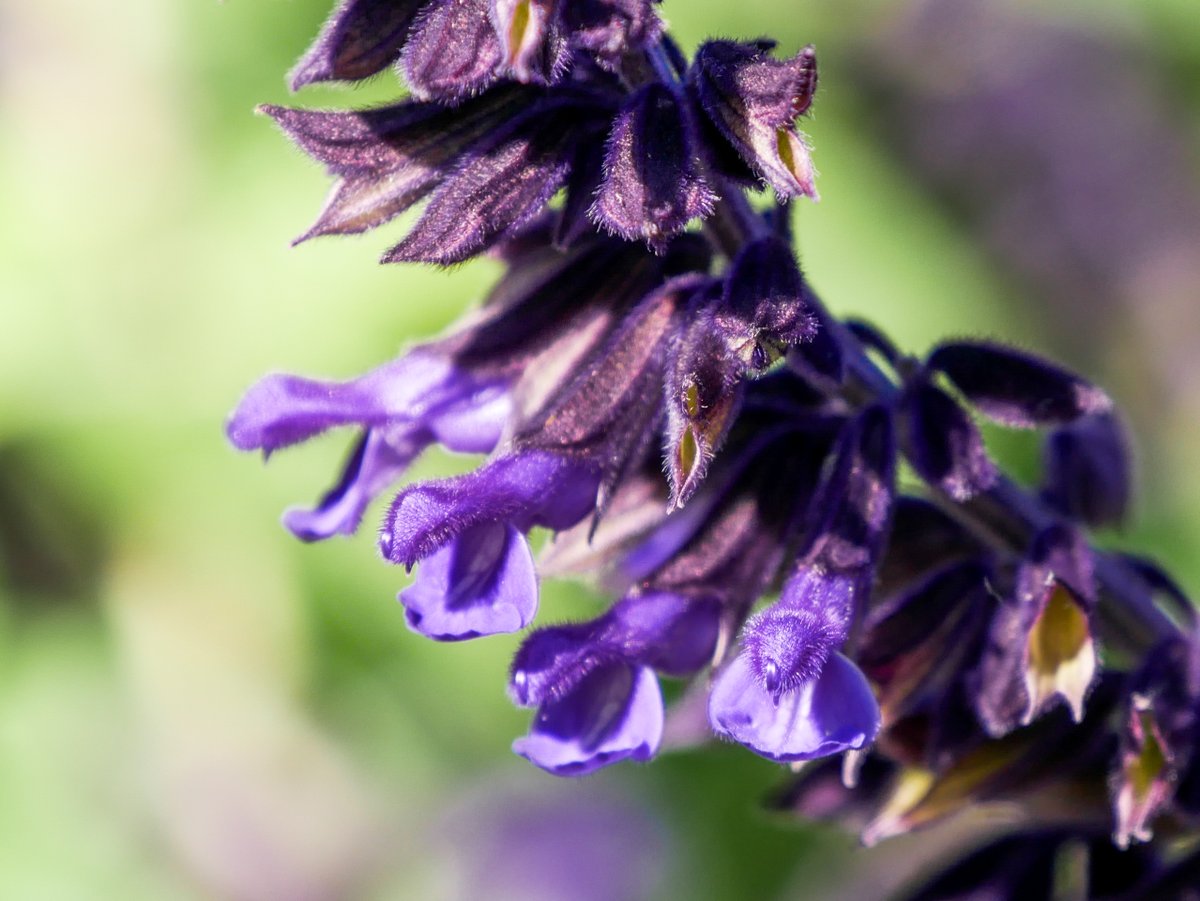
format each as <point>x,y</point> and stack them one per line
<point>655,382</point>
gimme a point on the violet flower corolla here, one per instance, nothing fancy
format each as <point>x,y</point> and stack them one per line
<point>654,381</point>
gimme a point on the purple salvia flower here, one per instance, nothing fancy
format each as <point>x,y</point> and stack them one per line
<point>460,391</point>
<point>788,695</point>
<point>478,576</point>
<point>1015,388</point>
<point>1087,470</point>
<point>594,684</point>
<point>556,470</point>
<point>453,50</point>
<point>944,445</point>
<point>754,100</point>
<point>405,405</point>
<point>652,185</point>
<point>360,38</point>
<point>666,631</point>
<point>1041,647</point>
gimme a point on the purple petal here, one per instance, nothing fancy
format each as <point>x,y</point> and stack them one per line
<point>360,38</point>
<point>669,632</point>
<point>1087,470</point>
<point>853,505</point>
<point>677,635</point>
<point>471,425</point>
<point>789,643</point>
<point>377,462</point>
<point>652,184</point>
<point>944,445</point>
<point>526,489</point>
<point>453,51</point>
<point>614,714</point>
<point>835,712</point>
<point>1015,388</point>
<point>284,409</point>
<point>481,583</point>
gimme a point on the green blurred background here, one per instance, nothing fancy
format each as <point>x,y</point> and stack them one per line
<point>194,705</point>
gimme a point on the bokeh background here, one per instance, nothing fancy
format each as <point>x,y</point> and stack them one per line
<point>194,705</point>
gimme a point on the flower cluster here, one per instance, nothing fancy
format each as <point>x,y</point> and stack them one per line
<point>654,381</point>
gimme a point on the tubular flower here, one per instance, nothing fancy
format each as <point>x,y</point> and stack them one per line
<point>654,382</point>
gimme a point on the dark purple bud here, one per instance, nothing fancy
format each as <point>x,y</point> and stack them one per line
<point>1041,649</point>
<point>532,48</point>
<point>495,188</point>
<point>388,158</point>
<point>453,50</point>
<point>652,185</point>
<point>754,100</point>
<point>360,38</point>
<point>944,445</point>
<point>853,505</point>
<point>614,714</point>
<point>527,489</point>
<point>1158,735</point>
<point>1015,388</point>
<point>832,713</point>
<point>703,391</point>
<point>1087,471</point>
<point>764,309</point>
<point>481,583</point>
<point>609,28</point>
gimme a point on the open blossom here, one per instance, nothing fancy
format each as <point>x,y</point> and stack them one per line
<point>787,510</point>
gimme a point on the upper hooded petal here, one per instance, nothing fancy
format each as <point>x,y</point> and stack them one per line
<point>281,410</point>
<point>527,488</point>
